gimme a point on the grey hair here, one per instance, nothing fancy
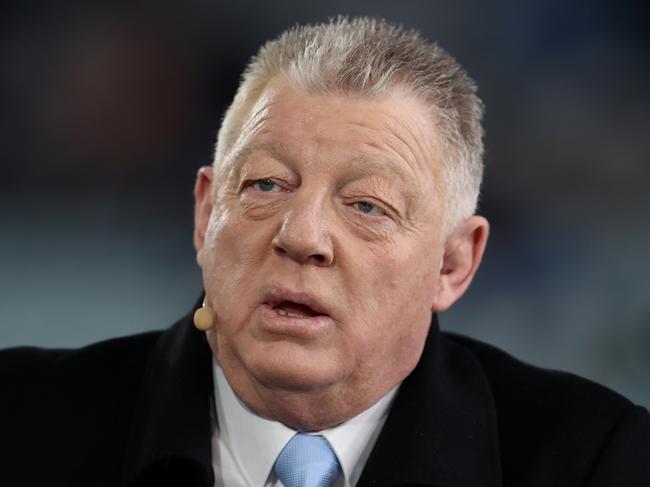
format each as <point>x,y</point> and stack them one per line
<point>370,56</point>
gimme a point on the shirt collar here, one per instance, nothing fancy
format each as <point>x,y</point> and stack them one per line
<point>353,440</point>
<point>256,442</point>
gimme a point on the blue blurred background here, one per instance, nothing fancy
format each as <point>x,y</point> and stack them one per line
<point>109,108</point>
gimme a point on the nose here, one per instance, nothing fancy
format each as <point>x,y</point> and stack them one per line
<point>304,235</point>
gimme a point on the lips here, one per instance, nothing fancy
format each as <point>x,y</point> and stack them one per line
<point>295,304</point>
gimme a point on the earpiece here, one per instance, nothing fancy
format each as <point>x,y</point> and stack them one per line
<point>204,318</point>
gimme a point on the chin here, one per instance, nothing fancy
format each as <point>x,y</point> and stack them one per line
<point>291,370</point>
<point>309,422</point>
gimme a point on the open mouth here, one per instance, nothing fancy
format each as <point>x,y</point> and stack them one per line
<point>294,310</point>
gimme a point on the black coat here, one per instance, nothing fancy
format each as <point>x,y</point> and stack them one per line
<point>136,411</point>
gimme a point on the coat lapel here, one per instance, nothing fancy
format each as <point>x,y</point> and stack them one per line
<point>441,429</point>
<point>170,435</point>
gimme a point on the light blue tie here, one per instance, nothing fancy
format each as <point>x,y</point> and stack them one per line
<point>307,461</point>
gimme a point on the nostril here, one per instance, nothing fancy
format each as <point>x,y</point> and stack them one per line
<point>302,251</point>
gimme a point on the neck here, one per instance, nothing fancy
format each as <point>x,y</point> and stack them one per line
<point>307,410</point>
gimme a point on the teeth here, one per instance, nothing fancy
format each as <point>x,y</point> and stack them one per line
<point>284,312</point>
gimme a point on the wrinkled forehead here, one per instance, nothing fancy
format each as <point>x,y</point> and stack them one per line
<point>394,125</point>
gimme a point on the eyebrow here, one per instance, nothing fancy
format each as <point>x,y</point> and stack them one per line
<point>370,165</point>
<point>276,150</point>
<point>362,165</point>
<point>386,166</point>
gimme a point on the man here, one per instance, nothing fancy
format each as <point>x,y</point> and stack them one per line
<point>338,215</point>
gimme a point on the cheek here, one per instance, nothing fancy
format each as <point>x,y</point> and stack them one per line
<point>407,304</point>
<point>231,249</point>
<point>402,276</point>
<point>378,286</point>
<point>391,317</point>
<point>401,290</point>
<point>214,244</point>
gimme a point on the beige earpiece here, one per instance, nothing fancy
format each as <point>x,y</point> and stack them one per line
<point>204,318</point>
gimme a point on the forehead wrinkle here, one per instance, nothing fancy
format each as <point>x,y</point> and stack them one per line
<point>428,146</point>
<point>427,153</point>
<point>250,126</point>
<point>413,150</point>
<point>387,143</point>
<point>259,113</point>
<point>254,121</point>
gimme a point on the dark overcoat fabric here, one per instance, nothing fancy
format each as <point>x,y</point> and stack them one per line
<point>136,411</point>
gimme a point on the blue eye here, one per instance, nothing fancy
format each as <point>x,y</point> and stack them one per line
<point>368,208</point>
<point>266,185</point>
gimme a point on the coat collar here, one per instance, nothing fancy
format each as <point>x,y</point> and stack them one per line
<point>441,429</point>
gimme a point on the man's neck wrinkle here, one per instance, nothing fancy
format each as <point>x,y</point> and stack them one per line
<point>301,411</point>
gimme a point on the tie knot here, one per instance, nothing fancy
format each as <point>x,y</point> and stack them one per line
<point>307,461</point>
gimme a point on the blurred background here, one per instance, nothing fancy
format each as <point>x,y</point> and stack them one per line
<point>108,109</point>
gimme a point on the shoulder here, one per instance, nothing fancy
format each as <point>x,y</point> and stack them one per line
<point>53,379</point>
<point>72,403</point>
<point>563,421</point>
<point>515,384</point>
<point>110,358</point>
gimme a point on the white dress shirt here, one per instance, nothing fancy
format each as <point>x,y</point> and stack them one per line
<point>245,445</point>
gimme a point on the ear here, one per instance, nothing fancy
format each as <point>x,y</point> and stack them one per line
<point>464,249</point>
<point>202,205</point>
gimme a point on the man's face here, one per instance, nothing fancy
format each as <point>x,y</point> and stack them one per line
<point>321,251</point>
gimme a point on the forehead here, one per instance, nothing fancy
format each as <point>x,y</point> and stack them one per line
<point>392,133</point>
